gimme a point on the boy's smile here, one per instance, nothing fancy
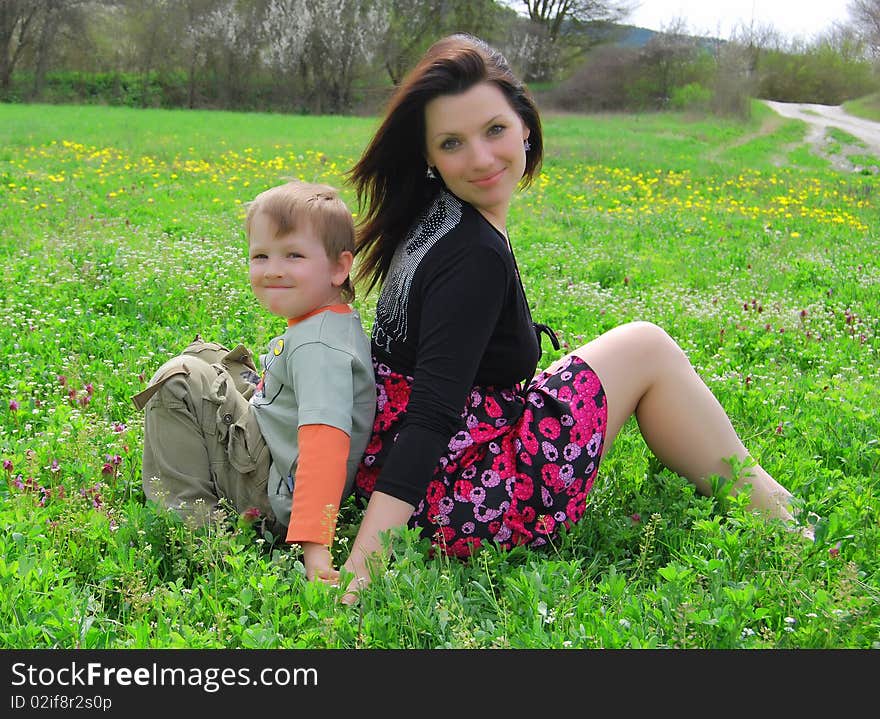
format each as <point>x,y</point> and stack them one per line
<point>291,275</point>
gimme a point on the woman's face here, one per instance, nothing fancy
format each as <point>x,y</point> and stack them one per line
<point>475,141</point>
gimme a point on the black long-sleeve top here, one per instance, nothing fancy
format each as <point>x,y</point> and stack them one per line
<point>452,314</point>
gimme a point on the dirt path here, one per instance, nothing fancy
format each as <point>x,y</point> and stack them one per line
<point>820,117</point>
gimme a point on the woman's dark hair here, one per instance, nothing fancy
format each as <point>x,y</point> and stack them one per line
<point>392,189</point>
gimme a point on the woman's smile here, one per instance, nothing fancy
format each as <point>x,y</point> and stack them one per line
<point>488,180</point>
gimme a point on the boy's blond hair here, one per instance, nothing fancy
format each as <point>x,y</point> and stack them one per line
<point>295,202</point>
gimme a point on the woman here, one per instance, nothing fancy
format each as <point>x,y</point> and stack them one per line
<point>466,444</point>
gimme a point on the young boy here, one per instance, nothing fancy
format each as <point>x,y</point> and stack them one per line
<point>288,443</point>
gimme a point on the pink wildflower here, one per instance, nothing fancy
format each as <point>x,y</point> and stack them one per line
<point>250,515</point>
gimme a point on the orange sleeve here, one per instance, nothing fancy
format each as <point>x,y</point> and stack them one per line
<point>318,484</point>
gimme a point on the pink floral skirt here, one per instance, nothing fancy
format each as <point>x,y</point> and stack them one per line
<point>519,470</point>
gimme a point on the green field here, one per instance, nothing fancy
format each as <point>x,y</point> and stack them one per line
<point>122,239</point>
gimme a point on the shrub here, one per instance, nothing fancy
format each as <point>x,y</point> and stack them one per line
<point>692,97</point>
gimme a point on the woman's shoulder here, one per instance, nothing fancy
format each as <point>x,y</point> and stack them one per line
<point>448,227</point>
<point>465,224</point>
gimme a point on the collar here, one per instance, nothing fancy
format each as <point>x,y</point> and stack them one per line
<point>341,309</point>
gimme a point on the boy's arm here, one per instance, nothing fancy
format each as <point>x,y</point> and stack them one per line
<point>317,492</point>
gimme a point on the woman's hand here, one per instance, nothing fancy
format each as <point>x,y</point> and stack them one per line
<point>352,592</point>
<point>384,513</point>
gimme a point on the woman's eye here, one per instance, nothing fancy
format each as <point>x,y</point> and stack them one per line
<point>449,144</point>
<point>496,129</point>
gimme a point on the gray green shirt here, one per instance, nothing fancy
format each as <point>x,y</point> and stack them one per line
<point>318,372</point>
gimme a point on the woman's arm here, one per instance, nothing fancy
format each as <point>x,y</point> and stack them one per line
<point>459,303</point>
<point>462,297</point>
<point>384,512</point>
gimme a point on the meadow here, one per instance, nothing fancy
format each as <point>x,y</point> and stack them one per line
<point>122,239</point>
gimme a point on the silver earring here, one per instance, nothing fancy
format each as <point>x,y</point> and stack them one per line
<point>526,145</point>
<point>430,173</point>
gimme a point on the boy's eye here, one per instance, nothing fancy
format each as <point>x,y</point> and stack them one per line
<point>294,255</point>
<point>256,258</point>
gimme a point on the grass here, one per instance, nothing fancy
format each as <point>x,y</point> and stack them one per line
<point>867,107</point>
<point>851,149</point>
<point>122,239</point>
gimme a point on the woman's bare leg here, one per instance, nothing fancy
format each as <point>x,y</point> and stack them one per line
<point>644,372</point>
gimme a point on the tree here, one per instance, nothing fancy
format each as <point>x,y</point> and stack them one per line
<point>200,18</point>
<point>735,80</point>
<point>737,62</point>
<point>555,14</point>
<point>831,69</point>
<point>55,17</point>
<point>601,84</point>
<point>558,30</point>
<point>414,24</point>
<point>29,30</point>
<point>865,16</point>
<point>411,28</point>
<point>232,39</point>
<point>345,35</point>
<point>667,58</point>
<point>18,22</point>
<point>286,27</point>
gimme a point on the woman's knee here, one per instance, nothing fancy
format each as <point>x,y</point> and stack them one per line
<point>629,359</point>
<point>654,343</point>
<point>633,343</point>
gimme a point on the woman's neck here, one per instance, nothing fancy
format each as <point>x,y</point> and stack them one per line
<point>498,222</point>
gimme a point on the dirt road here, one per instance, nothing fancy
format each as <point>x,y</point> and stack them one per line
<point>820,117</point>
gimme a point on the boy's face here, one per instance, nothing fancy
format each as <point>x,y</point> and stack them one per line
<point>291,275</point>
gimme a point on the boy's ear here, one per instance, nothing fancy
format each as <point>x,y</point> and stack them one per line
<point>343,268</point>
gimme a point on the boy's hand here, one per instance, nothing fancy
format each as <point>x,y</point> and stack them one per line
<point>319,563</point>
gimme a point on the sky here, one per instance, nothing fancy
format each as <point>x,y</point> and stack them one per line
<point>717,18</point>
